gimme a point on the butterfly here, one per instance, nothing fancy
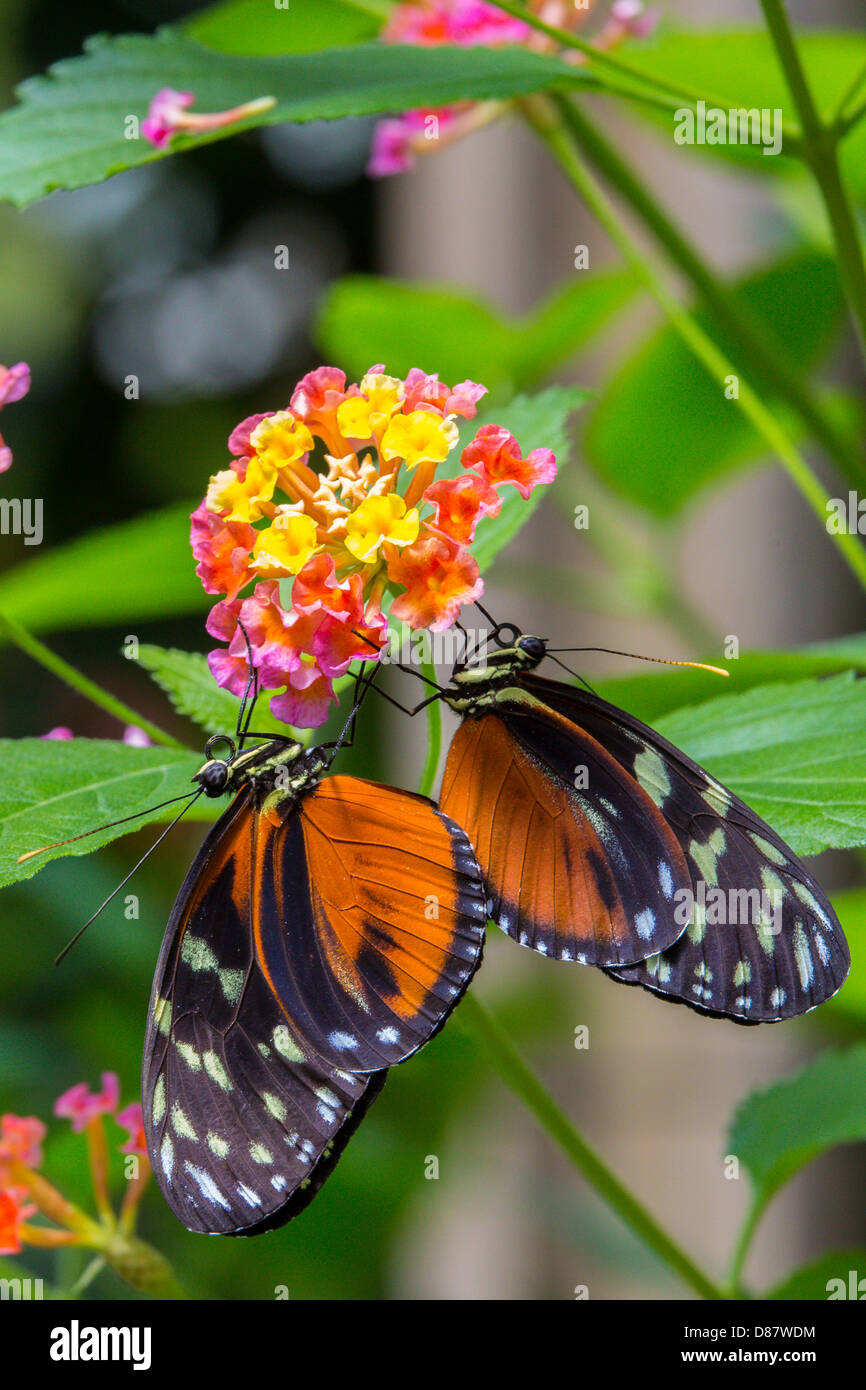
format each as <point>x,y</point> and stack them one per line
<point>602,843</point>
<point>323,933</point>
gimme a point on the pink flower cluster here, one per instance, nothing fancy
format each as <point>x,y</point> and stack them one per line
<point>375,521</point>
<point>469,23</point>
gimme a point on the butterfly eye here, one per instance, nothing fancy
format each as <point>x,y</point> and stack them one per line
<point>213,777</point>
<point>533,647</point>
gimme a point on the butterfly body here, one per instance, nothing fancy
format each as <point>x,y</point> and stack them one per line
<point>300,961</point>
<point>748,932</point>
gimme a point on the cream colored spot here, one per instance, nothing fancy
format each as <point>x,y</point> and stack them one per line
<point>217,1145</point>
<point>190,1056</point>
<point>158,1107</point>
<point>652,774</point>
<point>181,1125</point>
<point>742,972</point>
<point>216,1071</point>
<point>259,1154</point>
<point>162,1016</point>
<point>274,1105</point>
<point>286,1045</point>
<point>197,954</point>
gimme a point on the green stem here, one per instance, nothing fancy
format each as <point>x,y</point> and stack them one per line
<point>747,334</point>
<point>733,1282</point>
<point>434,736</point>
<point>599,57</point>
<point>820,151</point>
<point>31,645</point>
<point>516,1074</point>
<point>838,119</point>
<point>542,116</point>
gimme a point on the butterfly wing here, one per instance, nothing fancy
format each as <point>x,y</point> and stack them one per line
<point>778,950</point>
<point>579,863</point>
<point>387,923</point>
<point>244,1121</point>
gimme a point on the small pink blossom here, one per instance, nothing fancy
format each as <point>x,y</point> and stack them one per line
<point>14,383</point>
<point>20,1141</point>
<point>136,738</point>
<point>495,454</point>
<point>168,114</point>
<point>131,1118</point>
<point>59,732</point>
<point>80,1105</point>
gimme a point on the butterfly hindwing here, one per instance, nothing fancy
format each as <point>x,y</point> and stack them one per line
<point>244,1121</point>
<point>764,943</point>
<point>579,863</point>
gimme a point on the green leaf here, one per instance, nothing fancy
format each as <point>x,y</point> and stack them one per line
<point>68,129</point>
<point>651,695</point>
<point>539,421</point>
<point>776,1132</point>
<point>410,325</point>
<point>796,753</point>
<point>53,789</point>
<point>136,570</point>
<point>186,679</point>
<point>821,1280</point>
<point>663,428</point>
<point>252,28</point>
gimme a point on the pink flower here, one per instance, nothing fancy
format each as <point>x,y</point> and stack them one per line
<point>464,22</point>
<point>460,504</point>
<point>422,390</point>
<point>222,549</point>
<point>305,703</point>
<point>136,738</point>
<point>439,577</point>
<point>20,1141</point>
<point>80,1105</point>
<point>14,383</point>
<point>13,1213</point>
<point>60,732</point>
<point>495,454</point>
<point>168,114</point>
<point>398,140</point>
<point>239,439</point>
<point>131,1119</point>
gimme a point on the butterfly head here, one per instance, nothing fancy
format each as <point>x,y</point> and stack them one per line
<point>280,764</point>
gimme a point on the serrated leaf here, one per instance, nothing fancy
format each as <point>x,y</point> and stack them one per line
<point>91,581</point>
<point>53,789</point>
<point>776,1132</point>
<point>462,334</point>
<point>796,753</point>
<point>69,128</point>
<point>539,421</point>
<point>187,681</point>
<point>829,1278</point>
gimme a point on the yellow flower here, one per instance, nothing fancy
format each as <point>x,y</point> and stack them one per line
<point>242,498</point>
<point>281,439</point>
<point>367,415</point>
<point>380,519</point>
<point>419,435</point>
<point>284,547</point>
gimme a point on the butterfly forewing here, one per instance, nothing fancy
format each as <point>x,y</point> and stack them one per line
<point>243,1119</point>
<point>764,943</point>
<point>386,921</point>
<point>579,863</point>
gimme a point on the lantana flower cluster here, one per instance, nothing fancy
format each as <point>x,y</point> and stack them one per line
<point>25,1192</point>
<point>348,496</point>
<point>469,23</point>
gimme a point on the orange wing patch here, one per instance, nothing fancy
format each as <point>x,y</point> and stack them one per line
<point>398,911</point>
<point>564,864</point>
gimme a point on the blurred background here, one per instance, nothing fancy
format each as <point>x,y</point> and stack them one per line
<point>167,273</point>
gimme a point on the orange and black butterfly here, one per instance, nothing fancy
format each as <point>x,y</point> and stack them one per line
<point>602,843</point>
<point>324,932</point>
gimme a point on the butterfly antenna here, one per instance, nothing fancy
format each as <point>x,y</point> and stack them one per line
<point>244,714</point>
<point>31,853</point>
<point>69,945</point>
<point>636,656</point>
